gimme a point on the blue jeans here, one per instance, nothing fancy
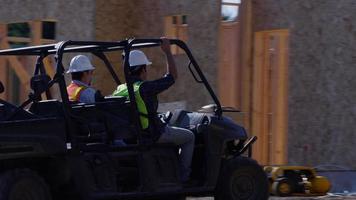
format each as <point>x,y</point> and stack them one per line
<point>184,139</point>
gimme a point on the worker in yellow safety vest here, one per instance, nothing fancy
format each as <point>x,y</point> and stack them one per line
<point>81,71</point>
<point>146,92</point>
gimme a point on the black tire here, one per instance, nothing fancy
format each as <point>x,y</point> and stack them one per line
<point>242,178</point>
<point>283,187</point>
<point>23,184</point>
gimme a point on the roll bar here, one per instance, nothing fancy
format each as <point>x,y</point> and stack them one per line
<point>98,49</point>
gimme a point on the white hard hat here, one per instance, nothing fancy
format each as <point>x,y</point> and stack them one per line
<point>80,63</point>
<point>137,57</point>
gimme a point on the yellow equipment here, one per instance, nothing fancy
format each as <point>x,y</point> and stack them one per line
<point>296,180</point>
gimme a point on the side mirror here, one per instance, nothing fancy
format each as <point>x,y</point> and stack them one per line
<point>1,87</point>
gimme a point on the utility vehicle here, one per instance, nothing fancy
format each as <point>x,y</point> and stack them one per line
<point>57,149</point>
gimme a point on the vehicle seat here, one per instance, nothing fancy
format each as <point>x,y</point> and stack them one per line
<point>47,108</point>
<point>109,120</point>
<point>186,119</point>
<point>8,110</point>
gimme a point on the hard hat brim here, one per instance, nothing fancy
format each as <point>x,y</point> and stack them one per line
<point>91,68</point>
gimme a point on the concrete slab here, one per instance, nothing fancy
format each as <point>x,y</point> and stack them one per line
<point>342,181</point>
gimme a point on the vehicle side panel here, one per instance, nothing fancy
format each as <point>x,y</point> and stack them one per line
<point>30,137</point>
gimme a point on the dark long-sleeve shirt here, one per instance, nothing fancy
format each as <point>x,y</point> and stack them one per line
<point>149,91</point>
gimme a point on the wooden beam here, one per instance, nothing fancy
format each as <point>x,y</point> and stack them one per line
<point>270,98</point>
<point>19,39</point>
<point>47,62</point>
<point>246,41</point>
<point>47,41</point>
<point>19,69</point>
<point>280,103</point>
<point>36,32</point>
<point>229,70</point>
<point>3,35</point>
<point>36,35</point>
<point>28,40</point>
<point>170,31</point>
<point>258,113</point>
<point>266,94</point>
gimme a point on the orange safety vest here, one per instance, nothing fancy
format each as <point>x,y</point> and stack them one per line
<point>74,90</point>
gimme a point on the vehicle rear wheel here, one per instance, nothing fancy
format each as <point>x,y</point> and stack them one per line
<point>23,184</point>
<point>242,179</point>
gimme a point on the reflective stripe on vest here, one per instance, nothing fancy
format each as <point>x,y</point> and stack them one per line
<point>141,106</point>
<point>74,90</point>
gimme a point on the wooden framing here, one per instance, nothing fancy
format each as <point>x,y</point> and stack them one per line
<point>14,62</point>
<point>229,72</point>
<point>269,102</point>
<point>36,39</point>
<point>178,30</point>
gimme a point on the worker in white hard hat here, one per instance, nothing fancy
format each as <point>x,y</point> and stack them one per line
<point>146,92</point>
<point>81,71</point>
<point>80,90</point>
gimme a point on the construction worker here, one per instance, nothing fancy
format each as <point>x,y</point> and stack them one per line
<point>80,90</point>
<point>81,71</point>
<point>147,102</point>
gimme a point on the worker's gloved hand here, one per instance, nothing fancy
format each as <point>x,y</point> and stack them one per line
<point>166,117</point>
<point>98,96</point>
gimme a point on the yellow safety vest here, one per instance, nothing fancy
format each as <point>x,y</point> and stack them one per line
<point>141,106</point>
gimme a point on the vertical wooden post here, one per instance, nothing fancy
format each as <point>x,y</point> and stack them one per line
<point>36,39</point>
<point>246,39</point>
<point>270,99</point>
<point>36,32</point>
<point>170,31</point>
<point>47,62</point>
<point>36,35</point>
<point>229,72</point>
<point>258,126</point>
<point>280,103</point>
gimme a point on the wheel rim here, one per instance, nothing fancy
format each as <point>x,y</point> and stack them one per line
<point>284,188</point>
<point>242,186</point>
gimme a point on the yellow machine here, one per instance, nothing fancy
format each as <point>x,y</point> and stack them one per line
<point>296,180</point>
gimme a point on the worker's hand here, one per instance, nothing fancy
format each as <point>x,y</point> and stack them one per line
<point>165,46</point>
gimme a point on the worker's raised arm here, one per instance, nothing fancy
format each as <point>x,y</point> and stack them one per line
<point>171,66</point>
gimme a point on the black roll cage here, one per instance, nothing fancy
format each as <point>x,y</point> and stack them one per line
<point>98,49</point>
